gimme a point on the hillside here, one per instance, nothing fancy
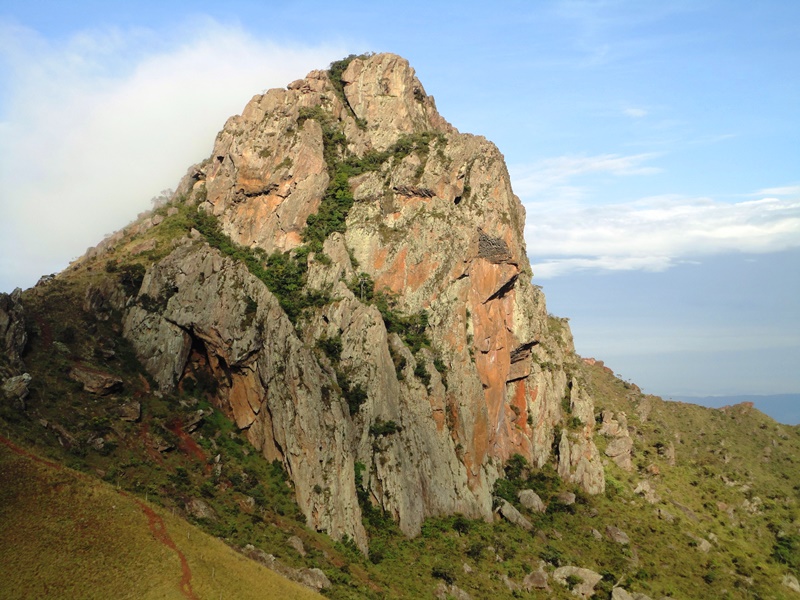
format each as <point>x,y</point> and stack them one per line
<point>325,350</point>
<point>67,535</point>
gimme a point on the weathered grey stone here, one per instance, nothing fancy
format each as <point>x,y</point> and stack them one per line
<point>95,381</point>
<point>13,336</point>
<point>535,580</point>
<point>615,534</point>
<point>314,578</point>
<point>512,515</point>
<point>579,461</point>
<point>200,509</point>
<point>567,498</point>
<point>296,543</point>
<point>588,579</point>
<point>619,593</point>
<point>665,515</point>
<point>619,450</point>
<point>16,388</point>
<point>791,582</point>
<point>647,489</point>
<point>130,411</point>
<point>531,500</point>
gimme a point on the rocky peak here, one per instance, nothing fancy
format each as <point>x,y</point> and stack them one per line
<point>398,354</point>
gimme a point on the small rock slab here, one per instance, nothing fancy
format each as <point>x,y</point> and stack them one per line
<point>296,543</point>
<point>94,381</point>
<point>16,388</point>
<point>531,500</point>
<point>536,580</point>
<point>130,411</point>
<point>512,515</point>
<point>588,579</point>
<point>567,498</point>
<point>616,534</point>
<point>200,509</point>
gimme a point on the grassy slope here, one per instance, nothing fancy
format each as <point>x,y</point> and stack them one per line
<point>733,457</point>
<point>67,535</point>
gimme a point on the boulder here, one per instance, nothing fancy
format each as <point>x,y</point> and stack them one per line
<point>313,578</point>
<point>648,490</point>
<point>619,450</point>
<point>619,593</point>
<point>200,509</point>
<point>567,498</point>
<point>586,580</point>
<point>512,515</point>
<point>130,411</point>
<point>296,543</point>
<point>16,388</point>
<point>95,381</point>
<point>615,534</point>
<point>535,580</point>
<point>791,582</point>
<point>531,500</point>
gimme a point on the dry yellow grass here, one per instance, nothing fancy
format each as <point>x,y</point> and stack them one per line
<point>65,535</point>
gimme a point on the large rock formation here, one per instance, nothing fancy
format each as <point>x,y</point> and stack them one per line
<point>436,227</point>
<point>13,336</point>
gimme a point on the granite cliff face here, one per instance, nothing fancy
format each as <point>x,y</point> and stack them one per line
<point>431,228</point>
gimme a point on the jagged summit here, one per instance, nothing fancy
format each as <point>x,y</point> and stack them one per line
<point>398,353</point>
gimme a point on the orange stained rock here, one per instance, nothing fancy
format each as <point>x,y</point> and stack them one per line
<point>244,398</point>
<point>380,258</point>
<point>394,277</point>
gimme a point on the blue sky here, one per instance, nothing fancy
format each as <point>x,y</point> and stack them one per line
<point>656,147</point>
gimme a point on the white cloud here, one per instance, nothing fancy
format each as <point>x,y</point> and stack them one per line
<point>656,233</point>
<point>554,175</point>
<point>786,190</point>
<point>636,113</point>
<point>95,126</point>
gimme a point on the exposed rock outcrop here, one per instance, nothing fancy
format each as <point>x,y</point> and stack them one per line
<point>436,228</point>
<point>12,327</point>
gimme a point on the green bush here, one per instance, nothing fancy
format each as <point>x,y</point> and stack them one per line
<point>332,347</point>
<point>383,428</point>
<point>131,277</point>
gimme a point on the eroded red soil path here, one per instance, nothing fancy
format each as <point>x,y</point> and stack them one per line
<point>156,523</point>
<point>159,530</point>
<point>187,443</point>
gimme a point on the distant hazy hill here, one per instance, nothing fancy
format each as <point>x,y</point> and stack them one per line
<point>784,408</point>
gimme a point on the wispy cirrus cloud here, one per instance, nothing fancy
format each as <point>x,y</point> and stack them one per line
<point>636,113</point>
<point>786,190</point>
<point>94,126</point>
<point>556,177</point>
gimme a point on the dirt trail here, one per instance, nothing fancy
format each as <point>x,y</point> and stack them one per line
<point>188,445</point>
<point>156,523</point>
<point>159,530</point>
